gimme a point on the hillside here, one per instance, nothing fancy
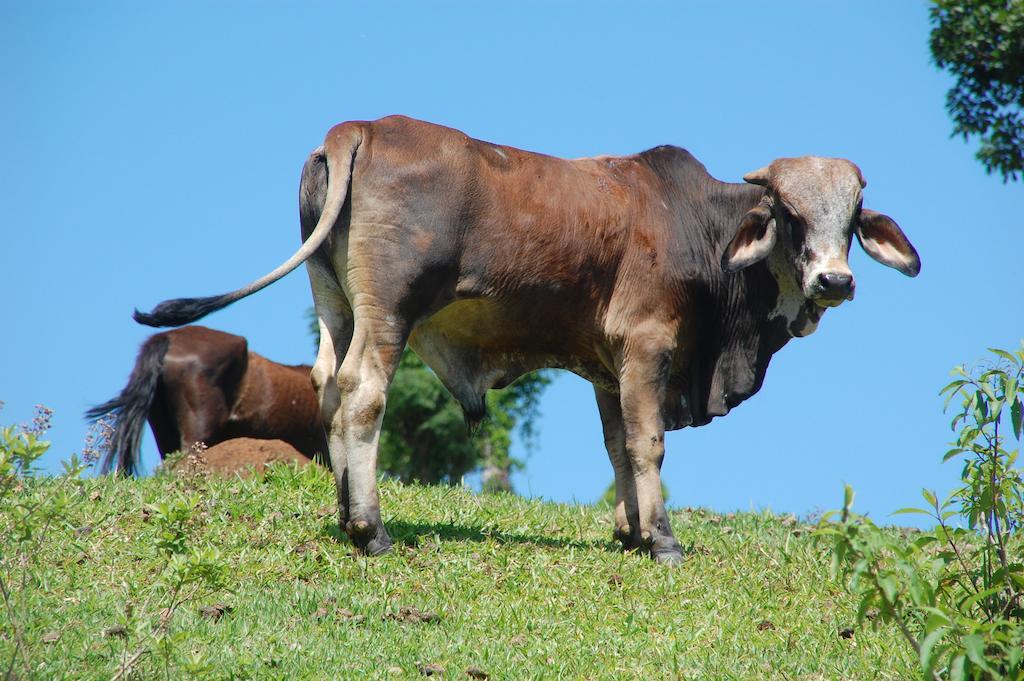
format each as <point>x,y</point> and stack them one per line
<point>499,585</point>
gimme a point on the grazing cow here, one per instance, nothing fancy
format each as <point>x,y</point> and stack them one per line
<point>665,288</point>
<point>196,384</point>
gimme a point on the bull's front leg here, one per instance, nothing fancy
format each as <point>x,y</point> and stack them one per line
<point>642,385</point>
<point>627,522</point>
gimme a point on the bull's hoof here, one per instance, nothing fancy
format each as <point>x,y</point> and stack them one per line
<point>668,557</point>
<point>667,551</point>
<point>371,539</point>
<point>630,540</point>
<point>378,546</point>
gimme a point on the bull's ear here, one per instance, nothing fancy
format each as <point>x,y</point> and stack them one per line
<point>754,240</point>
<point>884,241</point>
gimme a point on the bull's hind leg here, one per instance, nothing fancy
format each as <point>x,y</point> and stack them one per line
<point>202,412</point>
<point>334,319</point>
<point>164,427</point>
<point>363,381</point>
<point>627,521</point>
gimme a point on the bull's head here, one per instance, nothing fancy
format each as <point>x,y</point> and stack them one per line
<point>807,218</point>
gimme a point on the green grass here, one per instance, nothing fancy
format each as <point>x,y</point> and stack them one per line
<point>523,589</point>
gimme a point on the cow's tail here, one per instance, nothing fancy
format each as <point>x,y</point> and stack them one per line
<point>339,152</point>
<point>131,407</point>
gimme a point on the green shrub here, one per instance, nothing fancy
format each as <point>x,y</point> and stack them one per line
<point>28,511</point>
<point>38,512</point>
<point>955,592</point>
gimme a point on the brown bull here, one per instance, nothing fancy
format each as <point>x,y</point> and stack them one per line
<point>665,288</point>
<point>196,384</point>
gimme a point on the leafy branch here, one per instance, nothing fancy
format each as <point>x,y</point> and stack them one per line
<point>954,592</point>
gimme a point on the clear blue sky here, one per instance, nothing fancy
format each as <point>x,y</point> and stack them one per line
<point>152,150</point>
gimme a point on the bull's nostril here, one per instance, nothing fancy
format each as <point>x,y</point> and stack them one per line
<point>835,282</point>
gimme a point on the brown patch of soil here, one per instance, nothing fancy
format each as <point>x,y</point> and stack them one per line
<point>215,611</point>
<point>242,456</point>
<point>412,615</point>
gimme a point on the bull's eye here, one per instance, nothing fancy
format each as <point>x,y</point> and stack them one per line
<point>796,229</point>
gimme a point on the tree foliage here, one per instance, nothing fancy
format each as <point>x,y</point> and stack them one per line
<point>424,436</point>
<point>981,43</point>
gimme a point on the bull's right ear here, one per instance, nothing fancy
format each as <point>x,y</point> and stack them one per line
<point>884,241</point>
<point>754,240</point>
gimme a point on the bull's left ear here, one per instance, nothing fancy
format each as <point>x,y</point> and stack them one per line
<point>884,241</point>
<point>754,240</point>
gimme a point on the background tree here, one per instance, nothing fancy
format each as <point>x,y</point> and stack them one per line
<point>424,436</point>
<point>981,42</point>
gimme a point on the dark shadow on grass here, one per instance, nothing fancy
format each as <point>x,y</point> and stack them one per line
<point>412,534</point>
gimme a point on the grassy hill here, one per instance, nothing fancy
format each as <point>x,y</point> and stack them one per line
<point>498,585</point>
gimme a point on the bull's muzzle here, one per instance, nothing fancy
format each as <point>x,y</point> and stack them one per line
<point>832,288</point>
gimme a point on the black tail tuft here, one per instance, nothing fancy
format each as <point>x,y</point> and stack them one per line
<point>181,311</point>
<point>132,406</point>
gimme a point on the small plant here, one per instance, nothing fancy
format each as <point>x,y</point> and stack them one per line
<point>186,575</point>
<point>955,593</point>
<point>188,464</point>
<point>28,510</point>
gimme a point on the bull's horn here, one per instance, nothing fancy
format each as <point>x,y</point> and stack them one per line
<point>759,176</point>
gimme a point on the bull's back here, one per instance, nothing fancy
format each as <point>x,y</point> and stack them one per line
<point>197,355</point>
<point>498,221</point>
<point>277,401</point>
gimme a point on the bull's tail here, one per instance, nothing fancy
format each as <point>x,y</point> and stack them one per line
<point>131,407</point>
<point>339,152</point>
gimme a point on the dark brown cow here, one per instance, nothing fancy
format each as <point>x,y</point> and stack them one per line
<point>665,288</point>
<point>196,384</point>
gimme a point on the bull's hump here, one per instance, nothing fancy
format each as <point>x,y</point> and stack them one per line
<point>673,163</point>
